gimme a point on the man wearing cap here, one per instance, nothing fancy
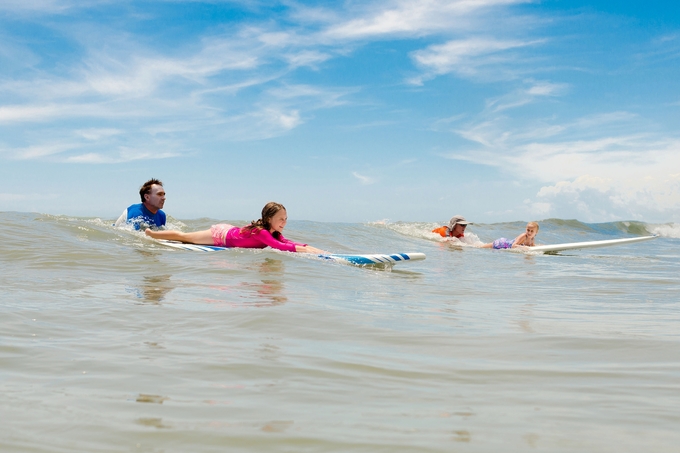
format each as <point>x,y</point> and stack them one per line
<point>455,229</point>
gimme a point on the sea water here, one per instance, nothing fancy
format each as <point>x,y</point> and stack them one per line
<point>111,342</point>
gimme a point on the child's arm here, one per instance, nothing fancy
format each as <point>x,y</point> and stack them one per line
<point>310,249</point>
<point>267,239</point>
<point>519,241</point>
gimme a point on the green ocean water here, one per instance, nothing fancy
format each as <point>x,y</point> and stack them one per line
<point>110,342</point>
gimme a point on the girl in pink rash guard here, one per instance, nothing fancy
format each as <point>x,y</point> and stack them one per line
<point>265,232</point>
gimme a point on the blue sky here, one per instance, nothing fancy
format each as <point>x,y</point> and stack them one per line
<point>352,111</point>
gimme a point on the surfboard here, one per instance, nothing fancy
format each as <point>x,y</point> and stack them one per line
<point>192,247</point>
<point>584,245</point>
<point>360,260</point>
<point>377,258</point>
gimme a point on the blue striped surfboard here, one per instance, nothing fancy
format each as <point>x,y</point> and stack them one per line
<point>361,260</point>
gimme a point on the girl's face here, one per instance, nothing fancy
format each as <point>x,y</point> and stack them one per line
<point>278,221</point>
<point>531,231</point>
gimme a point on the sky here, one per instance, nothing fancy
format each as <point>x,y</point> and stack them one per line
<point>355,111</point>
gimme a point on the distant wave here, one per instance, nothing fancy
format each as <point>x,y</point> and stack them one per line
<point>608,228</point>
<point>636,228</point>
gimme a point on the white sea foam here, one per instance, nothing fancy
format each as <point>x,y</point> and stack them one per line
<point>423,230</point>
<point>668,230</point>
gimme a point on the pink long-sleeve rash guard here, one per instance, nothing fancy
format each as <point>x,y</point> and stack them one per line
<point>259,239</point>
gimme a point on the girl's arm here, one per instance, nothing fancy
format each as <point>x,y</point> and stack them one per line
<point>519,240</point>
<point>288,241</point>
<point>303,248</point>
<point>284,244</point>
<point>309,249</point>
<point>267,239</point>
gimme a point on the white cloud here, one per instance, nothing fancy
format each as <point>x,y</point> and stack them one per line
<point>310,96</point>
<point>464,56</point>
<point>278,118</point>
<point>596,167</point>
<point>91,158</point>
<point>539,209</point>
<point>64,151</point>
<point>313,15</point>
<point>524,96</point>
<point>39,151</point>
<point>98,133</point>
<point>309,58</point>
<point>408,17</point>
<point>546,89</point>
<point>667,38</point>
<point>184,89</point>
<point>124,155</point>
<point>141,76</point>
<point>363,179</point>
<point>128,71</point>
<point>616,157</point>
<point>114,109</point>
<point>233,77</point>
<point>31,112</point>
<point>637,198</point>
<point>578,185</point>
<point>38,6</point>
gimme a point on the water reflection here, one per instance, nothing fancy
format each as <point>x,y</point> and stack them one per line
<point>269,291</point>
<point>148,254</point>
<point>153,423</point>
<point>154,288</point>
<point>147,398</point>
<point>271,287</point>
<point>277,426</point>
<point>526,318</point>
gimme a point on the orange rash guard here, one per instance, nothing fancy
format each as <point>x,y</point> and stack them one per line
<point>444,232</point>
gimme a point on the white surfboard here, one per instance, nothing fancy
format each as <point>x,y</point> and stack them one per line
<point>361,260</point>
<point>584,245</point>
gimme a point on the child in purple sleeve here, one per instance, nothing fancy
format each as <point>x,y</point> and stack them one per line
<point>265,232</point>
<point>525,239</point>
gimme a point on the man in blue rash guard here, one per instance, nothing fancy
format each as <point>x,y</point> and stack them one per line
<point>148,213</point>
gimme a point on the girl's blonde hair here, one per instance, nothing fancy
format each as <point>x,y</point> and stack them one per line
<point>533,224</point>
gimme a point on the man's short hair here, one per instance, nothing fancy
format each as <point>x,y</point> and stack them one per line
<point>146,187</point>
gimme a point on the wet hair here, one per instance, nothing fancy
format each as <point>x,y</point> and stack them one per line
<point>534,224</point>
<point>146,187</point>
<point>264,222</point>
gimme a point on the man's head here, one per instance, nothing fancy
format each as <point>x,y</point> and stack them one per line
<point>457,226</point>
<point>152,195</point>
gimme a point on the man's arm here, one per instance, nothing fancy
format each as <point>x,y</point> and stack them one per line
<point>122,220</point>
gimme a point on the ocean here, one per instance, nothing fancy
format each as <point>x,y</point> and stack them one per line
<point>110,342</point>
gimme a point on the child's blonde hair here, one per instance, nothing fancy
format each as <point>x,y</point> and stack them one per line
<point>534,224</point>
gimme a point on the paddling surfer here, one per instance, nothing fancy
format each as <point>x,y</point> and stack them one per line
<point>455,228</point>
<point>266,231</point>
<point>525,239</point>
<point>148,213</point>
